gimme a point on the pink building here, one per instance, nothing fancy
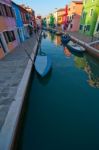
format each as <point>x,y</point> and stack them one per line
<point>8,31</point>
<point>74,14</point>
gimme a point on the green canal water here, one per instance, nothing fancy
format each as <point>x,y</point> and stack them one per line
<point>63,108</point>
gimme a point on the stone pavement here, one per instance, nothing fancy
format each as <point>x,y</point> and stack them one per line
<point>81,36</point>
<point>12,68</point>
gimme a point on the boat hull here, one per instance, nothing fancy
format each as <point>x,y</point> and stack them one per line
<point>78,48</point>
<point>65,39</point>
<point>43,65</point>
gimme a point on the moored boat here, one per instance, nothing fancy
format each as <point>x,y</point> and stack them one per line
<point>65,39</point>
<point>75,47</point>
<point>43,64</point>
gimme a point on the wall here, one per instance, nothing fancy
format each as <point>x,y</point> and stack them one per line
<point>87,19</point>
<point>74,14</point>
<point>19,21</point>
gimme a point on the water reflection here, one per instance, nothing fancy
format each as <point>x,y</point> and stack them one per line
<point>57,40</point>
<point>51,36</point>
<point>91,67</point>
<point>82,61</point>
<point>54,38</point>
<point>44,81</point>
<point>67,52</point>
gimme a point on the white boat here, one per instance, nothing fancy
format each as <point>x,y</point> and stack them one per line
<point>75,47</point>
<point>43,64</point>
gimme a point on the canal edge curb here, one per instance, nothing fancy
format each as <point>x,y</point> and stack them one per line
<point>9,128</point>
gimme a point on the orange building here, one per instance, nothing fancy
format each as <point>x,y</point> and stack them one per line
<point>60,15</point>
<point>74,14</point>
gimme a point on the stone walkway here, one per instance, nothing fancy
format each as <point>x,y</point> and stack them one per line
<point>12,68</point>
<point>81,37</point>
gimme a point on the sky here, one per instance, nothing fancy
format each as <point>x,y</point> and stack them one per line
<point>43,7</point>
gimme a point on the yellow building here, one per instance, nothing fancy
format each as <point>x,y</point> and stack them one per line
<point>59,15</point>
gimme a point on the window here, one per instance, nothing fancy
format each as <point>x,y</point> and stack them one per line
<point>2,46</point>
<point>81,27</point>
<point>6,37</point>
<point>9,36</point>
<point>83,14</point>
<point>6,10</point>
<point>87,27</point>
<point>12,12</point>
<point>97,29</point>
<point>91,12</point>
<point>12,36</point>
<point>2,10</point>
<point>71,26</point>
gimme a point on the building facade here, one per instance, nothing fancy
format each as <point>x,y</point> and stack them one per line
<point>19,22</point>
<point>25,19</point>
<point>59,16</point>
<point>8,30</point>
<point>39,22</point>
<point>89,17</point>
<point>74,14</point>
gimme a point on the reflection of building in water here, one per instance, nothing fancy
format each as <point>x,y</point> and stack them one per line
<point>67,52</point>
<point>51,36</point>
<point>54,38</point>
<point>57,40</point>
<point>91,68</point>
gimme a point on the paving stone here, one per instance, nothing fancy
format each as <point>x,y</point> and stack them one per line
<point>12,68</point>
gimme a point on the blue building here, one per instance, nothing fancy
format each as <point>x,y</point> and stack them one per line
<point>19,22</point>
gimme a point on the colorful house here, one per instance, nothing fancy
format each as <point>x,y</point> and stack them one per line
<point>89,19</point>
<point>58,15</point>
<point>48,20</point>
<point>39,21</point>
<point>31,19</point>
<point>8,30</point>
<point>19,22</point>
<point>74,14</point>
<point>26,21</point>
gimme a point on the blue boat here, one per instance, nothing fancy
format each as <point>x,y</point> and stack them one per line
<point>43,64</point>
<point>65,39</point>
<point>75,47</point>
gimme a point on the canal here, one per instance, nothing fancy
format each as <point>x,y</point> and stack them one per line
<point>63,108</point>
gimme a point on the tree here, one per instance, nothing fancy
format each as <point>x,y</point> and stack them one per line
<point>52,19</point>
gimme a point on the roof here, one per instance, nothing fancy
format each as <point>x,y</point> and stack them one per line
<point>78,2</point>
<point>61,9</point>
<point>14,3</point>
